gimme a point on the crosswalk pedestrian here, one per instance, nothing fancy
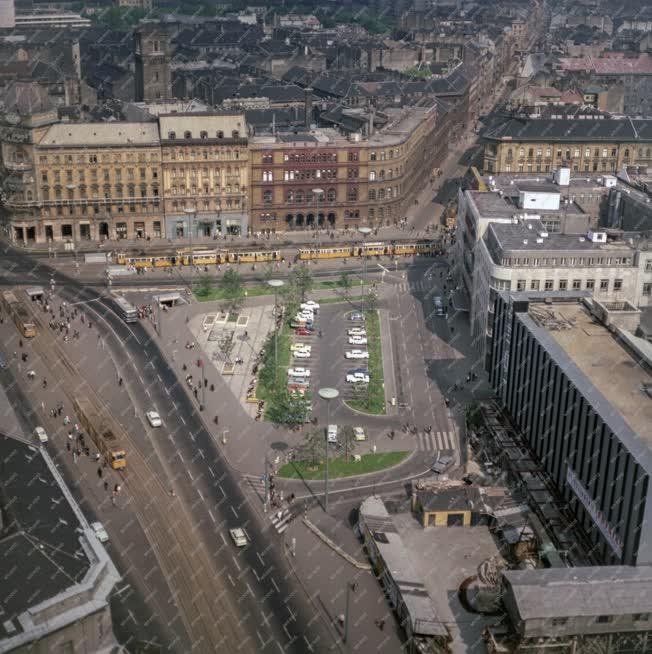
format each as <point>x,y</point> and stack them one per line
<point>436,440</point>
<point>281,519</point>
<point>257,484</point>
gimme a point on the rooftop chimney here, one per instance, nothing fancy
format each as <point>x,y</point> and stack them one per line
<point>308,107</point>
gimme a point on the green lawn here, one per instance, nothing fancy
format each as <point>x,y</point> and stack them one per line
<point>374,401</point>
<point>255,290</point>
<point>338,467</point>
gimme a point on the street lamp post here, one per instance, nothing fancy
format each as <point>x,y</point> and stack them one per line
<point>318,193</point>
<point>191,211</point>
<point>275,284</point>
<point>350,586</point>
<point>365,231</point>
<point>327,394</point>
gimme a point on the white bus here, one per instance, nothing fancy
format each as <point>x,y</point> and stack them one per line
<point>125,310</point>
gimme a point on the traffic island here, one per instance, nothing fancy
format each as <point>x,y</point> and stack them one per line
<point>371,399</point>
<point>341,467</point>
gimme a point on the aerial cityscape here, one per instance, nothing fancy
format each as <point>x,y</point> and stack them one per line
<point>325,327</point>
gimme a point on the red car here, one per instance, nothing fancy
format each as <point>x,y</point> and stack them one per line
<point>302,331</point>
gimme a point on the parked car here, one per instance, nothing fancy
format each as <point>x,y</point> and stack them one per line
<point>303,331</point>
<point>357,331</point>
<point>301,354</point>
<point>331,434</point>
<point>356,354</point>
<point>41,435</point>
<point>353,371</point>
<point>356,316</point>
<point>154,419</point>
<point>359,434</point>
<point>357,378</point>
<point>239,536</point>
<point>441,464</point>
<point>100,532</point>
<point>300,346</point>
<point>439,306</point>
<point>357,340</point>
<point>310,304</point>
<point>298,381</point>
<point>298,372</point>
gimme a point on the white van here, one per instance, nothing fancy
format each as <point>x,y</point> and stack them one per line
<point>331,434</point>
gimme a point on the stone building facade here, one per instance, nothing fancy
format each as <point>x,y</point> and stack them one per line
<point>322,179</point>
<point>585,145</point>
<point>205,167</point>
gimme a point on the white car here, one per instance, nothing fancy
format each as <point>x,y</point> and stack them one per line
<point>359,434</point>
<point>301,354</point>
<point>357,331</point>
<point>356,354</point>
<point>295,347</point>
<point>154,419</point>
<point>357,378</point>
<point>41,435</point>
<point>298,372</point>
<point>100,532</point>
<point>331,434</point>
<point>357,340</point>
<point>239,536</point>
<point>311,305</point>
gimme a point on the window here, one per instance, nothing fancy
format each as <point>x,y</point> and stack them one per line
<point>187,135</point>
<point>268,158</point>
<point>268,176</point>
<point>521,152</point>
<point>372,175</point>
<point>331,195</point>
<point>352,173</point>
<point>563,284</point>
<point>352,156</point>
<point>590,284</point>
<point>534,285</point>
<point>603,619</point>
<point>235,134</point>
<point>267,197</point>
<point>604,152</point>
<point>577,284</point>
<point>647,289</point>
<point>549,285</point>
<point>203,134</point>
<point>648,265</point>
<point>220,134</point>
<point>604,284</point>
<point>372,193</point>
<point>372,156</point>
<point>352,194</point>
<point>641,617</point>
<point>618,284</point>
<point>172,136</point>
<point>559,622</point>
<point>520,285</point>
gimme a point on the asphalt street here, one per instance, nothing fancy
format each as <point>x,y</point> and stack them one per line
<point>256,579</point>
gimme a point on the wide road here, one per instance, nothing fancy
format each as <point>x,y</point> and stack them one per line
<point>265,611</point>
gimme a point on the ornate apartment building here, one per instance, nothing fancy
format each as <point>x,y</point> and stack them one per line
<point>205,168</point>
<point>322,179</point>
<point>585,145</point>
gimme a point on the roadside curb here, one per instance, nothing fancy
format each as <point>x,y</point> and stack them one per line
<point>336,548</point>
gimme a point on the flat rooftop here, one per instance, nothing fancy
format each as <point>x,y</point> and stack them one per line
<point>600,356</point>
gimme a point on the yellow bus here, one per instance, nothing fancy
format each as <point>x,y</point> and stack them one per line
<point>104,431</point>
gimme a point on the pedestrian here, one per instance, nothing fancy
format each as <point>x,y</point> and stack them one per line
<point>120,381</point>
<point>99,472</point>
<point>68,446</point>
<point>106,485</point>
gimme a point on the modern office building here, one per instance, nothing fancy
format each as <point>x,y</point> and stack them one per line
<point>57,578</point>
<point>577,383</point>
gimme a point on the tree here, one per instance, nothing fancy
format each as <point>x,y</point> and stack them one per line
<point>287,409</point>
<point>226,345</point>
<point>345,284</point>
<point>348,441</point>
<point>314,446</point>
<point>370,301</point>
<point>232,286</point>
<point>204,286</point>
<point>301,280</point>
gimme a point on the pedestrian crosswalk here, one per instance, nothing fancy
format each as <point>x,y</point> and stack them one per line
<point>436,440</point>
<point>257,484</point>
<point>281,519</point>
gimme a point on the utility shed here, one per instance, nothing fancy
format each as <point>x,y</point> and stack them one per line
<point>589,601</point>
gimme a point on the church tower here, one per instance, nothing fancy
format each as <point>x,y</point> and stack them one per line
<point>153,55</point>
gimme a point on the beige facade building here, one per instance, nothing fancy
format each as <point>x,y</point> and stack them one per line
<point>205,167</point>
<point>584,144</point>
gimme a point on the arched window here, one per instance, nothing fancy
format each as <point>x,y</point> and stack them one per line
<point>352,194</point>
<point>203,135</point>
<point>187,135</point>
<point>299,197</point>
<point>626,152</point>
<point>372,175</point>
<point>235,134</point>
<point>382,174</point>
<point>331,195</point>
<point>220,134</point>
<point>372,194</point>
<point>509,153</point>
<point>172,136</point>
